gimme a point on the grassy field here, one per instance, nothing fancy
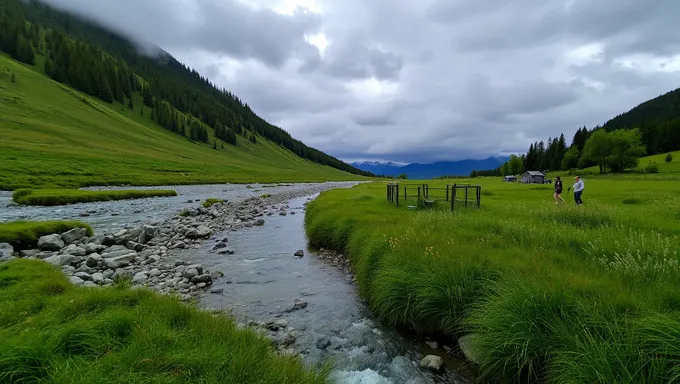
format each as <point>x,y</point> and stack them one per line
<point>72,196</point>
<point>55,137</point>
<point>559,294</point>
<point>665,170</point>
<point>54,332</point>
<point>25,234</point>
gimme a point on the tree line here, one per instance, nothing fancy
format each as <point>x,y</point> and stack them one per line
<point>110,67</point>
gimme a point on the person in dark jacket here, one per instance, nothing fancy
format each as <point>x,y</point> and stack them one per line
<point>558,191</point>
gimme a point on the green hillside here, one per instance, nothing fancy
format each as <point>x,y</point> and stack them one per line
<point>55,136</point>
<point>81,106</point>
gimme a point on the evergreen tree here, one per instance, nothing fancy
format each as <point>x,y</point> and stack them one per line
<point>668,159</point>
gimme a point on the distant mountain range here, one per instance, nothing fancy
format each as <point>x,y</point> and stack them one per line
<point>431,170</point>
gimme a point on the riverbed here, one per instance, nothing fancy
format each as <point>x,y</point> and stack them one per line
<point>263,279</point>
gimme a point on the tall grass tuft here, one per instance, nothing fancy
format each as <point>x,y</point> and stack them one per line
<point>51,197</point>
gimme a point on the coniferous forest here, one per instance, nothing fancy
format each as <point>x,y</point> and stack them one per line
<point>110,67</point>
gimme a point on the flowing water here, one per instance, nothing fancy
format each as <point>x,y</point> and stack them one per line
<point>263,279</point>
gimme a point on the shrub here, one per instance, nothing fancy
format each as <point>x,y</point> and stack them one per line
<point>652,167</point>
<point>669,158</point>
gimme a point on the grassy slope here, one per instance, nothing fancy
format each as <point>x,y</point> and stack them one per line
<point>53,136</point>
<point>660,160</point>
<point>563,293</point>
<point>54,332</point>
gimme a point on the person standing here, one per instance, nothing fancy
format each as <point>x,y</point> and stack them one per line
<point>578,190</point>
<point>558,191</point>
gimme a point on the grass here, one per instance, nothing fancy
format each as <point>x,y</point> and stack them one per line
<point>26,196</point>
<point>55,137</point>
<point>553,293</point>
<point>25,234</point>
<point>54,332</point>
<point>212,201</point>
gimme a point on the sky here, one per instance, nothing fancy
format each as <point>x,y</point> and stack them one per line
<point>417,81</point>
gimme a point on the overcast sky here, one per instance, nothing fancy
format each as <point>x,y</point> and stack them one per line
<point>418,81</point>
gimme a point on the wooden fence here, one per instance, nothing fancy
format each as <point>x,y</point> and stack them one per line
<point>425,196</point>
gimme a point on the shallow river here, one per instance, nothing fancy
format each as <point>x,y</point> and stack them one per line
<point>263,278</point>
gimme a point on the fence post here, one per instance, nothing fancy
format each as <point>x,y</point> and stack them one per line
<point>405,194</point>
<point>397,189</point>
<point>419,194</point>
<point>479,196</point>
<point>447,192</point>
<point>453,196</point>
<point>466,194</point>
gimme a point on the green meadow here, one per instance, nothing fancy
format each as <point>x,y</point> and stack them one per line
<point>54,332</point>
<point>52,136</point>
<point>71,196</point>
<point>552,293</point>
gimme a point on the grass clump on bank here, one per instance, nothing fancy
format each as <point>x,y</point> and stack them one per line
<point>72,196</point>
<point>53,331</point>
<point>551,293</point>
<point>212,201</point>
<point>25,234</point>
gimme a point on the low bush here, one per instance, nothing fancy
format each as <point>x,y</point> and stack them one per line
<point>25,234</point>
<point>212,201</point>
<point>52,331</point>
<point>71,196</point>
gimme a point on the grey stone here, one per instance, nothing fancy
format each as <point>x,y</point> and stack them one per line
<point>432,362</point>
<point>54,260</point>
<point>198,267</point>
<point>76,280</point>
<point>217,290</point>
<point>432,344</point>
<point>190,273</point>
<point>6,251</point>
<point>71,260</point>
<point>299,304</point>
<point>259,222</point>
<point>226,251</point>
<point>201,279</point>
<point>29,252</point>
<point>68,270</point>
<point>155,272</point>
<point>108,273</point>
<point>299,253</point>
<point>148,232</point>
<point>93,260</point>
<point>51,242</point>
<point>94,248</point>
<point>287,339</point>
<point>220,246</point>
<point>203,231</point>
<point>98,277</point>
<point>73,235</point>
<point>191,234</point>
<point>139,278</point>
<point>83,276</point>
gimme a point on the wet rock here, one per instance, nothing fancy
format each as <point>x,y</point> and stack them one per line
<point>216,274</point>
<point>94,248</point>
<point>50,242</point>
<point>286,340</point>
<point>299,253</point>
<point>217,290</point>
<point>282,213</point>
<point>68,270</point>
<point>11,204</point>
<point>178,245</point>
<point>466,344</point>
<point>299,304</point>
<point>258,222</point>
<point>191,234</point>
<point>98,277</point>
<point>190,273</point>
<point>201,279</point>
<point>432,362</point>
<point>323,343</point>
<point>76,280</point>
<point>155,272</point>
<point>148,232</point>
<point>6,251</point>
<point>74,234</point>
<point>226,251</point>
<point>139,278</point>
<point>203,231</point>
<point>220,246</point>
<point>432,344</point>
<point>84,214</point>
<point>93,260</point>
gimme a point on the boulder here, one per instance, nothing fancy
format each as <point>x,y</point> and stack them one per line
<point>29,252</point>
<point>93,260</point>
<point>298,304</point>
<point>74,234</point>
<point>6,251</point>
<point>76,280</point>
<point>203,231</point>
<point>155,272</point>
<point>432,344</point>
<point>226,251</point>
<point>299,253</point>
<point>54,260</point>
<point>51,242</point>
<point>258,222</point>
<point>191,234</point>
<point>190,273</point>
<point>217,290</point>
<point>139,278</point>
<point>201,279</point>
<point>93,248</point>
<point>83,276</point>
<point>148,232</point>
<point>432,362</point>
<point>98,277</point>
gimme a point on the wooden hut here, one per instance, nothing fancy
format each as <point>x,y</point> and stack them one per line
<point>533,177</point>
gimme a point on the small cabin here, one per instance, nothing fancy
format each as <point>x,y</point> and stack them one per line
<point>509,179</point>
<point>533,177</point>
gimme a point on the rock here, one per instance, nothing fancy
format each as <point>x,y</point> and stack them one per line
<point>287,339</point>
<point>77,251</point>
<point>432,344</point>
<point>121,274</point>
<point>11,204</point>
<point>71,260</point>
<point>68,270</point>
<point>259,222</point>
<point>93,260</point>
<point>50,242</point>
<point>190,273</point>
<point>299,253</point>
<point>83,276</point>
<point>299,304</point>
<point>6,251</point>
<point>432,362</point>
<point>201,279</point>
<point>93,248</point>
<point>282,213</point>
<point>466,344</point>
<point>98,277</point>
<point>217,290</point>
<point>220,246</point>
<point>139,278</point>
<point>28,252</point>
<point>74,234</point>
<point>216,274</point>
<point>54,260</point>
<point>76,280</point>
<point>292,212</point>
<point>323,343</point>
<point>191,234</point>
<point>155,272</point>
<point>203,231</point>
<point>84,214</point>
<point>148,232</point>
<point>178,245</point>
<point>226,251</point>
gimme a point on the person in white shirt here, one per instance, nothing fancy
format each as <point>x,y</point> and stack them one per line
<point>578,190</point>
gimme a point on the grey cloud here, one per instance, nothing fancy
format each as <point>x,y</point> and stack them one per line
<point>452,79</point>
